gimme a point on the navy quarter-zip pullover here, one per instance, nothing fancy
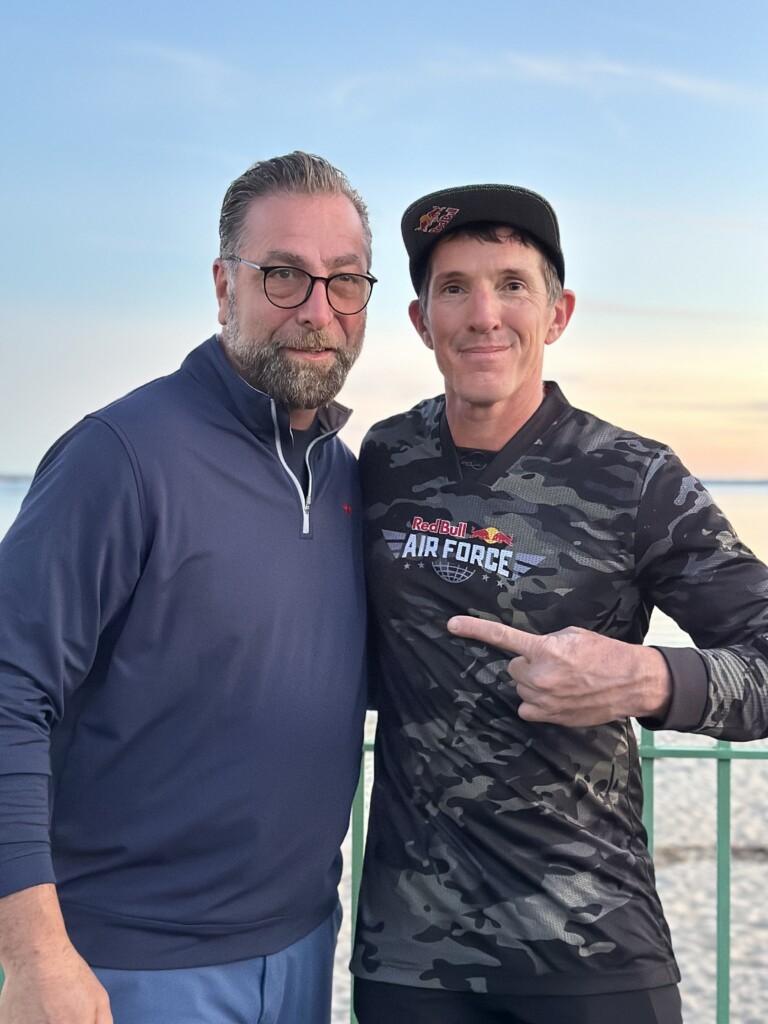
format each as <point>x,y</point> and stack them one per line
<point>181,674</point>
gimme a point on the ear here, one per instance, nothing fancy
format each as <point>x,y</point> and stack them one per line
<point>563,311</point>
<point>221,283</point>
<point>418,321</point>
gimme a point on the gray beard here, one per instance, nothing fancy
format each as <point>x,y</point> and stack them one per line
<point>266,367</point>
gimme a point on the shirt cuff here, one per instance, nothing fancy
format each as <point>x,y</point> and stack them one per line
<point>30,866</point>
<point>690,689</point>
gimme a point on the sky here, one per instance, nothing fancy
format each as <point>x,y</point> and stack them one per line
<point>646,126</point>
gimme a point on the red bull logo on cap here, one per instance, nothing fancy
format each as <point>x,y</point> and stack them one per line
<point>437,219</point>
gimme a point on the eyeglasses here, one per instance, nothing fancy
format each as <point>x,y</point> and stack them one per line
<point>289,287</point>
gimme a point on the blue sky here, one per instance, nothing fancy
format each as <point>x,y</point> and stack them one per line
<point>645,124</point>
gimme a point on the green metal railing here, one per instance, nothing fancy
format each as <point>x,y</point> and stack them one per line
<point>650,751</point>
<point>724,753</point>
<point>358,834</point>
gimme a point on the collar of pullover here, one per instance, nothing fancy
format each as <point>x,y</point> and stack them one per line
<point>210,367</point>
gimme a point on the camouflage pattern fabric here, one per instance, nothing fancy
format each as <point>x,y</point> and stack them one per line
<point>506,856</point>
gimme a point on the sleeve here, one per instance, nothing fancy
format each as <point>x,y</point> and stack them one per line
<point>68,566</point>
<point>373,657</point>
<point>25,857</point>
<point>695,569</point>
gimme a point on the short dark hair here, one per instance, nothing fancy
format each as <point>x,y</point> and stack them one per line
<point>296,173</point>
<point>487,231</point>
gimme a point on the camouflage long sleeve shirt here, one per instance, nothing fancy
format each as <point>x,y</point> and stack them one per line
<point>503,855</point>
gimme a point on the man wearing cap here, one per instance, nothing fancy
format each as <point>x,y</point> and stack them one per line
<point>507,876</point>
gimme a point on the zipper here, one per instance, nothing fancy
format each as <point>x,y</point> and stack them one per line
<point>304,499</point>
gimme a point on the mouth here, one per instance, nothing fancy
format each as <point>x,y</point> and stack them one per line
<point>310,354</point>
<point>484,350</point>
<point>311,346</point>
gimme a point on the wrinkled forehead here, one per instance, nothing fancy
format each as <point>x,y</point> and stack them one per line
<point>322,226</point>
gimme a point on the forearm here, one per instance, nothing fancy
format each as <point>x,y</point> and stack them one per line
<point>31,927</point>
<point>688,691</point>
<point>721,692</point>
<point>649,690</point>
<point>735,704</point>
<point>692,567</point>
<point>47,981</point>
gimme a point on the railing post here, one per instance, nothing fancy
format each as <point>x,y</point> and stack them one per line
<point>723,885</point>
<point>358,847</point>
<point>358,841</point>
<point>647,765</point>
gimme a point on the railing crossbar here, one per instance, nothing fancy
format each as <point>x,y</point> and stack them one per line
<point>650,751</point>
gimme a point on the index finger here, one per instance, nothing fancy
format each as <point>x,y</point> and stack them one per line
<point>515,641</point>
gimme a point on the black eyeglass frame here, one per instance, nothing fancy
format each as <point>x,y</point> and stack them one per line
<point>313,279</point>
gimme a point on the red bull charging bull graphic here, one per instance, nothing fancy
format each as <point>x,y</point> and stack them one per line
<point>492,536</point>
<point>437,219</point>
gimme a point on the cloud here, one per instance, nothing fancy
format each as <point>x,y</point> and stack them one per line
<point>618,309</point>
<point>596,76</point>
<point>194,71</point>
<point>670,81</point>
<point>360,87</point>
<point>187,61</point>
<point>591,75</point>
<point>665,215</point>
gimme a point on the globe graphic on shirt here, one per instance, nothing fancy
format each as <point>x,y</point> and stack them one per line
<point>452,572</point>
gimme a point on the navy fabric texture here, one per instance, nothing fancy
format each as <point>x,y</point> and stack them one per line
<point>182,638</point>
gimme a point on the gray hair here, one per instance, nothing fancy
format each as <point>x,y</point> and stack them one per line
<point>492,232</point>
<point>297,173</point>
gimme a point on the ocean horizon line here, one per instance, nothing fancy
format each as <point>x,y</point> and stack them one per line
<point>25,478</point>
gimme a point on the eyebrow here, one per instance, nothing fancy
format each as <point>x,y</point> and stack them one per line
<point>463,275</point>
<point>283,257</point>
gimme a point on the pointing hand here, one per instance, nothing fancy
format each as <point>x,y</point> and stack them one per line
<point>576,677</point>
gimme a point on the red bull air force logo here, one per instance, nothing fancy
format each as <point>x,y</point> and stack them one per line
<point>456,551</point>
<point>437,219</point>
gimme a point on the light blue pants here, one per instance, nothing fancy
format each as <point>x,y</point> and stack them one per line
<point>290,987</point>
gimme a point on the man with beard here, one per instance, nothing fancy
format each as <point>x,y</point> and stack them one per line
<point>182,627</point>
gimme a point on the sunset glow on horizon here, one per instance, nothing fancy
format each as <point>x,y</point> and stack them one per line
<point>646,128</point>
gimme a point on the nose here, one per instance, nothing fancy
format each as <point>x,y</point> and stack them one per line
<point>484,310</point>
<point>316,312</point>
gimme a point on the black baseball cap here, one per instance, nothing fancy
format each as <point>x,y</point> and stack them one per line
<point>425,221</point>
